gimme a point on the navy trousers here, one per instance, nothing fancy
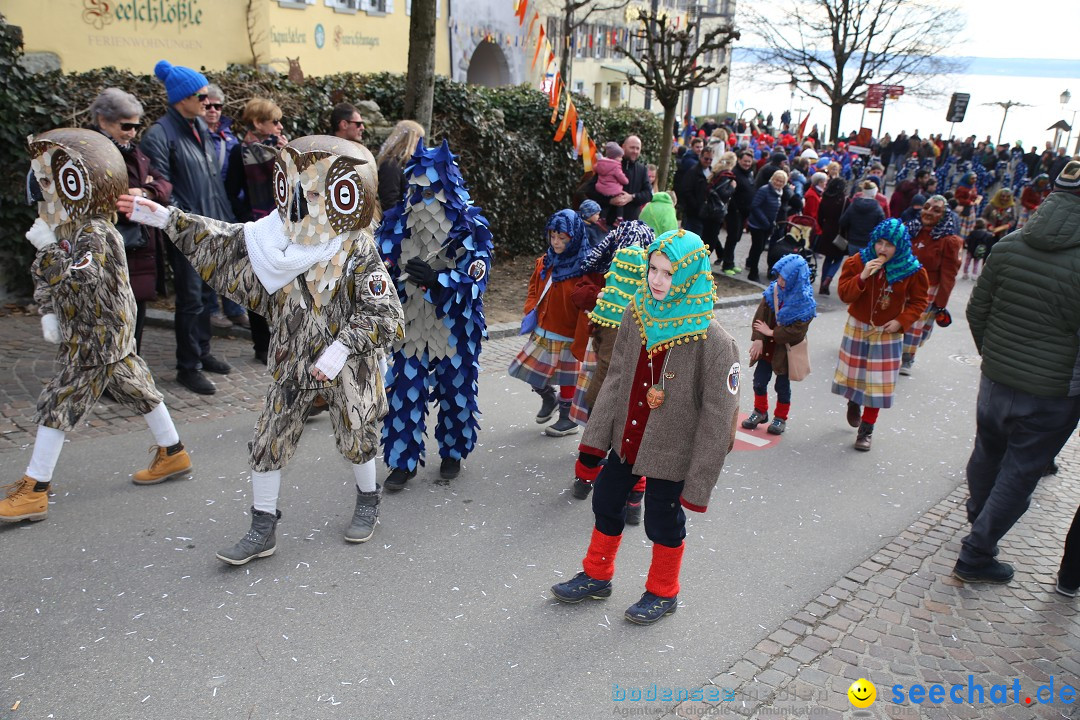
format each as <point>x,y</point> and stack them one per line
<point>1016,437</point>
<point>665,521</point>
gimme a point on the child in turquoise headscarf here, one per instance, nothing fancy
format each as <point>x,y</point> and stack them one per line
<point>666,411</point>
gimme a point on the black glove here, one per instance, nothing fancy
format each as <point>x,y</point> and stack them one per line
<point>421,273</point>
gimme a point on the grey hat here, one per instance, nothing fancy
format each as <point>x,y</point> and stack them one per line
<point>1069,179</point>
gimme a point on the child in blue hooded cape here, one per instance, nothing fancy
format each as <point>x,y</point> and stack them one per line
<point>774,328</point>
<point>546,359</point>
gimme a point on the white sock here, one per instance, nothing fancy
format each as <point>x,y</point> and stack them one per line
<point>161,426</point>
<point>365,476</point>
<point>264,489</point>
<point>47,447</point>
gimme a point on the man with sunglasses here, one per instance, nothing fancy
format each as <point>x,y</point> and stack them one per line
<point>180,148</point>
<point>347,123</point>
<point>223,140</point>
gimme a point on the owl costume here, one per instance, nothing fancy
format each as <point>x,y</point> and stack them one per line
<point>438,247</point>
<point>81,287</point>
<point>312,270</point>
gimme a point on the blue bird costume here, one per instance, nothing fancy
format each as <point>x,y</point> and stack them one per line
<point>437,223</point>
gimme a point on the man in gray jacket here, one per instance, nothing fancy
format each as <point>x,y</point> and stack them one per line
<point>179,147</point>
<point>1025,318</point>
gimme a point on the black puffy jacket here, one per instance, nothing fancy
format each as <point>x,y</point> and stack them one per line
<point>1024,312</point>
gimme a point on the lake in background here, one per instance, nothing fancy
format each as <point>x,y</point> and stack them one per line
<point>1037,83</point>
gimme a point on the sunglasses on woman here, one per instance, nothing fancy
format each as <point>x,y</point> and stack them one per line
<point>128,127</point>
<point>215,106</point>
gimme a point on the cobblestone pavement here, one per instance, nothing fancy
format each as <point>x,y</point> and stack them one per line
<point>27,363</point>
<point>900,618</point>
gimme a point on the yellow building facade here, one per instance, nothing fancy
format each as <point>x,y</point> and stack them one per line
<point>325,36</point>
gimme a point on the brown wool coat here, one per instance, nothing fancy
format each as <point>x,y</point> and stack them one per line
<point>774,349</point>
<point>689,436</point>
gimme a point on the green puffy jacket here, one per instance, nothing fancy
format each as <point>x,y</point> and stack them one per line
<point>659,214</point>
<point>1024,313</point>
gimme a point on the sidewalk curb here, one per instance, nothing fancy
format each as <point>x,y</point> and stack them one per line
<point>498,331</point>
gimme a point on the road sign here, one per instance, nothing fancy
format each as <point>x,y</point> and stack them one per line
<point>876,94</point>
<point>754,439</point>
<point>957,107</point>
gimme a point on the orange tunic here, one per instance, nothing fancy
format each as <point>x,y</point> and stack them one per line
<point>557,314</point>
<point>907,301</point>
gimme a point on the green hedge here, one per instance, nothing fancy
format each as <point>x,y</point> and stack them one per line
<point>503,136</point>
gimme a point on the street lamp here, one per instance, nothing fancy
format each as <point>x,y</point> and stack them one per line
<point>1065,98</point>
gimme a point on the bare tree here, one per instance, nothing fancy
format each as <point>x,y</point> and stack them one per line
<point>834,49</point>
<point>572,19</point>
<point>420,81</point>
<point>672,60</point>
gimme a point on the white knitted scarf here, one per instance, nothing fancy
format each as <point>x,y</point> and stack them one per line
<point>277,261</point>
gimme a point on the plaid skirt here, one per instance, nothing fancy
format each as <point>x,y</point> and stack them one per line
<point>544,362</point>
<point>868,365</point>
<point>1025,215</point>
<point>967,223</point>
<point>919,332</point>
<point>579,410</point>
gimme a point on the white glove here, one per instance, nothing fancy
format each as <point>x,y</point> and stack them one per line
<point>50,328</point>
<point>150,213</point>
<point>332,359</point>
<point>40,235</point>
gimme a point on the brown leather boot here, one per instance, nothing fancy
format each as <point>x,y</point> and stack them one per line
<point>167,463</point>
<point>23,503</point>
<point>862,440</point>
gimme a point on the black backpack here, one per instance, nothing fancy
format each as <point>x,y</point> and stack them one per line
<point>717,199</point>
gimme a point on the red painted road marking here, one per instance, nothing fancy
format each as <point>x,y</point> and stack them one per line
<point>757,439</point>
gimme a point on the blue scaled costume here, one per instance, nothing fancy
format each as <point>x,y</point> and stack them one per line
<point>438,247</point>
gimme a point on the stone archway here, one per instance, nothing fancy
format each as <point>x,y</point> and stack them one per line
<point>488,66</point>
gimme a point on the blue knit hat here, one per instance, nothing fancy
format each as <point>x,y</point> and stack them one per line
<point>588,209</point>
<point>180,82</point>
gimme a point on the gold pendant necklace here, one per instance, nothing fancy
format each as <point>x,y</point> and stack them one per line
<point>654,396</point>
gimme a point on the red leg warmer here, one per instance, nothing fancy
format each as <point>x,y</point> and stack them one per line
<point>761,404</point>
<point>663,577</point>
<point>586,474</point>
<point>782,410</point>
<point>869,415</point>
<point>639,486</point>
<point>599,562</point>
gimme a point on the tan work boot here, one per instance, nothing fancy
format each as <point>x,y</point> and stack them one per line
<point>164,465</point>
<point>23,503</point>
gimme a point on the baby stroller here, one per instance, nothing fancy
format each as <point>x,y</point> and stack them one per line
<point>798,232</point>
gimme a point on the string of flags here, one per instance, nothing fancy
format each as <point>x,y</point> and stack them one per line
<point>558,93</point>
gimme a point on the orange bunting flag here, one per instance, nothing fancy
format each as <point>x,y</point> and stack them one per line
<point>556,91</point>
<point>570,118</point>
<point>551,58</point>
<point>532,23</point>
<point>539,44</point>
<point>588,158</point>
<point>523,7</point>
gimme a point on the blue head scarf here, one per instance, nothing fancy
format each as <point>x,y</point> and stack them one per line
<point>797,302</point>
<point>570,263</point>
<point>903,263</point>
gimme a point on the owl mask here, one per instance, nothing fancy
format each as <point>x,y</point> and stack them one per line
<point>324,187</point>
<point>78,174</point>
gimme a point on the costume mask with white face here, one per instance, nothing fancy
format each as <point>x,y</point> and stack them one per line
<point>79,174</point>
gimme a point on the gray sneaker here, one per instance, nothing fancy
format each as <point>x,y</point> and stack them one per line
<point>259,541</point>
<point>365,516</point>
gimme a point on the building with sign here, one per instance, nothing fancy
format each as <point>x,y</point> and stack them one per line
<point>479,41</point>
<point>324,36</point>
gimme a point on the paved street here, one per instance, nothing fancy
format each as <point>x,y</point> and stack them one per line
<point>814,566</point>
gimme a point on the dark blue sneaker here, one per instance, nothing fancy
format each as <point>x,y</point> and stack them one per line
<point>581,586</point>
<point>651,608</point>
